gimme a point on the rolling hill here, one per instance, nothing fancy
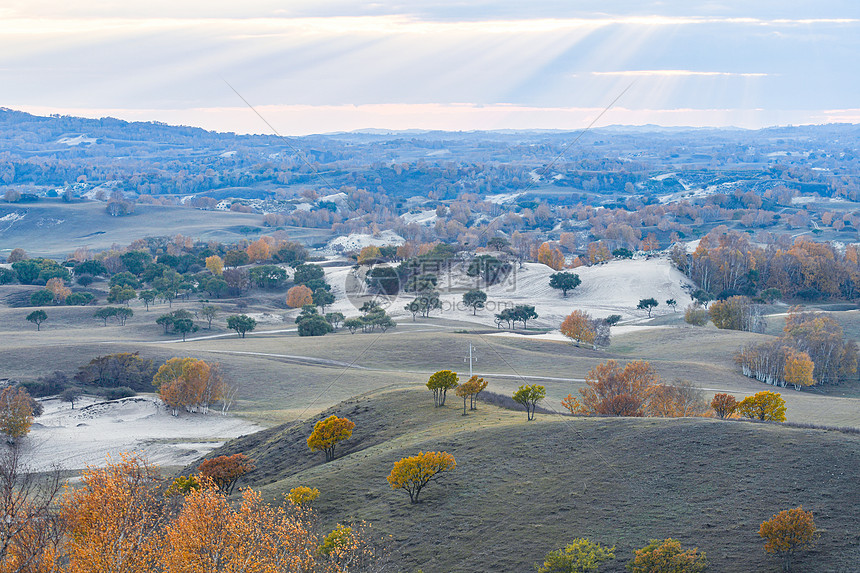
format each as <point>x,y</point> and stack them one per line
<point>523,488</point>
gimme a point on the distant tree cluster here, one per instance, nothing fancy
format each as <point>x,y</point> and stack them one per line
<point>811,351</point>
<point>373,317</point>
<point>519,313</point>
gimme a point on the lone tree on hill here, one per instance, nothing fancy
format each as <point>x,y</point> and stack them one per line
<point>647,304</point>
<point>673,303</point>
<point>440,382</point>
<point>328,433</point>
<point>241,323</point>
<point>529,396</point>
<point>37,317</point>
<point>475,298</point>
<point>414,472</point>
<point>788,531</point>
<point>564,282</point>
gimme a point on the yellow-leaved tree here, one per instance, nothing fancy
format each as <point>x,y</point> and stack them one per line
<point>299,296</point>
<point>764,405</point>
<point>16,412</point>
<point>414,472</point>
<point>328,433</point>
<point>788,531</point>
<point>210,535</point>
<point>440,382</point>
<point>303,495</point>
<point>369,254</point>
<point>470,390</point>
<point>215,264</point>
<point>667,555</point>
<point>798,369</point>
<point>113,520</point>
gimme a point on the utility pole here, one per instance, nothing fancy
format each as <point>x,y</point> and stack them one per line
<point>470,359</point>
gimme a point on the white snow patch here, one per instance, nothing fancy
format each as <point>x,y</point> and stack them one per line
<point>228,154</point>
<point>85,435</point>
<point>422,218</point>
<point>77,140</point>
<point>357,241</point>
<point>12,217</point>
<point>267,318</point>
<point>503,198</point>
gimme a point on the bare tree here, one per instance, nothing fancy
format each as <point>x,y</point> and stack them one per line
<point>30,529</point>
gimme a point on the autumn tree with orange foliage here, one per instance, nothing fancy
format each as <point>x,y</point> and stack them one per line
<point>579,328</point>
<point>113,521</point>
<point>225,471</point>
<point>551,257</point>
<point>59,289</point>
<point>210,535</point>
<point>189,383</point>
<point>299,296</point>
<point>679,400</point>
<point>724,405</point>
<point>328,433</point>
<point>615,391</point>
<point>258,251</point>
<point>788,531</point>
<point>119,521</point>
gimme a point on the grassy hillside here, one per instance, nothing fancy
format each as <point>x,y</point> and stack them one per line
<point>55,229</point>
<point>521,489</point>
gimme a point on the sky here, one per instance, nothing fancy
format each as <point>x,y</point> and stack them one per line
<point>315,66</point>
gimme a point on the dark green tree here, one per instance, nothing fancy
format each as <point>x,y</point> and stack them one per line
<point>475,298</point>
<point>37,317</point>
<point>241,323</point>
<point>564,282</point>
<point>648,304</point>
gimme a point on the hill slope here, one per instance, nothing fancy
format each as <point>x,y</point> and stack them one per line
<point>522,489</point>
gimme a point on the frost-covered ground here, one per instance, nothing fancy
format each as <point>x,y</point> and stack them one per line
<point>85,435</point>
